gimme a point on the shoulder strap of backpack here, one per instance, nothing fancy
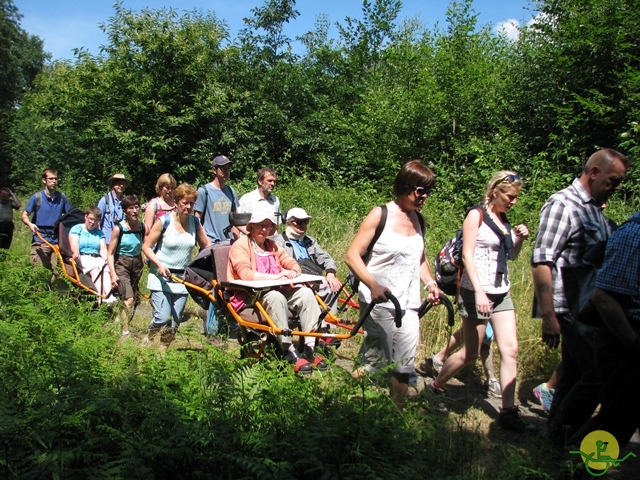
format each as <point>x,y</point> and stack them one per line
<point>37,205</point>
<point>206,202</point>
<point>376,236</point>
<point>421,222</point>
<point>166,219</point>
<point>107,209</point>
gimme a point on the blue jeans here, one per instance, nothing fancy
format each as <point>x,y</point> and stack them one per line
<point>167,306</point>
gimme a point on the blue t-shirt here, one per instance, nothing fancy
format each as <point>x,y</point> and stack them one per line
<point>214,206</point>
<point>50,210</point>
<point>110,203</point>
<point>620,272</point>
<point>89,240</point>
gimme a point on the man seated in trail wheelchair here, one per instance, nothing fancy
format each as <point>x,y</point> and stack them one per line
<point>313,260</point>
<point>256,257</point>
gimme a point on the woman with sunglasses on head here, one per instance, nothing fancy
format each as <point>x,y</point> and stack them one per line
<point>125,256</point>
<point>487,243</point>
<point>397,265</point>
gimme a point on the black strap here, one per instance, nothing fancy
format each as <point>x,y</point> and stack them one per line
<point>366,256</point>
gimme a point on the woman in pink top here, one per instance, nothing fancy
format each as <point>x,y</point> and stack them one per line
<point>256,257</point>
<point>163,203</point>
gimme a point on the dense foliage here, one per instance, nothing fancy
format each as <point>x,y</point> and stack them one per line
<point>169,90</point>
<point>21,59</point>
<point>77,403</point>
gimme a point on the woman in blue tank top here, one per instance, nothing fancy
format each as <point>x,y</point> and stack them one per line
<point>171,256</point>
<point>125,257</point>
<point>88,245</point>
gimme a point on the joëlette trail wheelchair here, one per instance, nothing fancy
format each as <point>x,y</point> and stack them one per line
<point>70,268</point>
<point>206,279</point>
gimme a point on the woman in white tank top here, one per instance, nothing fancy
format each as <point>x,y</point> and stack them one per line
<point>397,265</point>
<point>487,243</point>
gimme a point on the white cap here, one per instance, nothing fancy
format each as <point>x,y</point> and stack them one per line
<point>298,213</point>
<point>262,213</point>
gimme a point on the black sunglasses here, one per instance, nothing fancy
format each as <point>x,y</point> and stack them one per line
<point>512,178</point>
<point>615,182</point>
<point>300,222</point>
<point>422,191</point>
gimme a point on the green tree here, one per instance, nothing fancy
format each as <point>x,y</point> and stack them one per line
<point>149,103</point>
<point>21,59</point>
<point>577,85</point>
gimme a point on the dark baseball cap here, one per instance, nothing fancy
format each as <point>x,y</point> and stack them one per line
<point>219,161</point>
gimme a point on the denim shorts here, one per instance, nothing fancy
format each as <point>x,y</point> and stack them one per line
<point>467,304</point>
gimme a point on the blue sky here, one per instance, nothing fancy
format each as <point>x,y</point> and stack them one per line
<point>68,24</point>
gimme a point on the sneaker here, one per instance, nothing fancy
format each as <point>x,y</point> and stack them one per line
<point>435,364</point>
<point>493,388</point>
<point>510,419</point>
<point>544,395</point>
<point>438,407</point>
<point>359,373</point>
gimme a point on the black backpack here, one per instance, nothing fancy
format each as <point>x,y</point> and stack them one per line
<point>448,263</point>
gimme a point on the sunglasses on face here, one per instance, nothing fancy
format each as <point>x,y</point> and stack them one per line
<point>615,181</point>
<point>422,191</point>
<point>512,178</point>
<point>300,222</point>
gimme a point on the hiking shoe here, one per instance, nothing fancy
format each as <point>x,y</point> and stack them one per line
<point>300,365</point>
<point>436,364</point>
<point>316,360</point>
<point>493,388</point>
<point>544,395</point>
<point>510,419</point>
<point>359,373</point>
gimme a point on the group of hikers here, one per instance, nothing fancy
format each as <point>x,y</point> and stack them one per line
<point>594,318</point>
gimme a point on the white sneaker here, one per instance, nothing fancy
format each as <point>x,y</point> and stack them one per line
<point>493,387</point>
<point>436,364</point>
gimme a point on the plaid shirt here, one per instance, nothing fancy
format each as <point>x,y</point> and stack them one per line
<point>620,272</point>
<point>570,223</point>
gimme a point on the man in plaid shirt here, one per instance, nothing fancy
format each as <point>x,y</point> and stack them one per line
<point>572,223</point>
<point>617,298</point>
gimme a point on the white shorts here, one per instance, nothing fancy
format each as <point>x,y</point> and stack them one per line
<point>385,344</point>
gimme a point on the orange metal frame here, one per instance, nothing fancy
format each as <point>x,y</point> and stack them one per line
<point>75,279</point>
<point>269,327</point>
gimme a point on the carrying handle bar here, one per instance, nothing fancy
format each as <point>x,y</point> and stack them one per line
<point>365,314</point>
<point>444,300</point>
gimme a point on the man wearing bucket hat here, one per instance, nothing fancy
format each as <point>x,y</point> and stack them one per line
<point>110,206</point>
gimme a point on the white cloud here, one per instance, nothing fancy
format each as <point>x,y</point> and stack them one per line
<point>510,28</point>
